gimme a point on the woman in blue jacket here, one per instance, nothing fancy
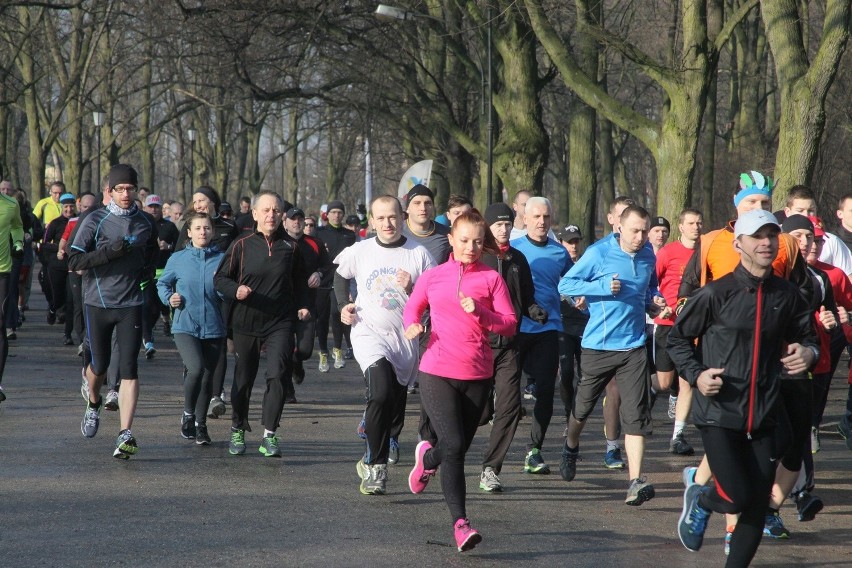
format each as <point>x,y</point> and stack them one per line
<point>199,330</point>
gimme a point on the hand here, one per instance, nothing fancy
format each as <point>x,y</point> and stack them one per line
<point>709,383</point>
<point>827,319</point>
<point>615,285</point>
<point>175,300</point>
<point>799,358</point>
<point>537,314</point>
<point>17,251</point>
<point>243,292</point>
<point>580,303</point>
<point>842,315</point>
<point>660,301</point>
<point>60,254</point>
<point>304,314</point>
<point>666,313</point>
<point>413,330</point>
<point>349,314</point>
<point>403,279</point>
<point>119,248</point>
<point>467,304</point>
<point>314,280</point>
<point>163,244</point>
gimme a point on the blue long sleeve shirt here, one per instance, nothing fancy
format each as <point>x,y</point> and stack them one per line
<point>616,322</point>
<point>548,262</point>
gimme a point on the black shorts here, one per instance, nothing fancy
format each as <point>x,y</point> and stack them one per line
<point>127,323</point>
<point>661,354</point>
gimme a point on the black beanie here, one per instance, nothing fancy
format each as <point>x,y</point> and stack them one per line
<point>419,189</point>
<point>336,204</point>
<point>122,173</point>
<point>498,212</point>
<point>795,222</point>
<point>211,194</point>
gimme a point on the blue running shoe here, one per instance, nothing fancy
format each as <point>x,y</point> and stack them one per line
<point>613,460</point>
<point>689,476</point>
<point>693,519</point>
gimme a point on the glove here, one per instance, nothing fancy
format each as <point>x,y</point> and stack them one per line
<point>118,249</point>
<point>537,314</point>
<point>17,250</point>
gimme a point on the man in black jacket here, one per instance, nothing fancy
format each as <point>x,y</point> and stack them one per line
<point>513,267</point>
<point>741,323</point>
<point>262,275</point>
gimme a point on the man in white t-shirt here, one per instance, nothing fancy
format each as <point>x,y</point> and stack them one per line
<point>385,269</point>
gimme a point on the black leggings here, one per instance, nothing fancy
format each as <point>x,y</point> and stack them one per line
<point>279,356</point>
<point>385,402</point>
<point>151,310</point>
<point>454,408</point>
<point>327,310</point>
<point>127,323</point>
<point>75,285</point>
<point>56,281</point>
<point>5,304</point>
<point>744,471</point>
<point>200,357</point>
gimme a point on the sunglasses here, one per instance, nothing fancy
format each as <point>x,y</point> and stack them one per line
<point>310,224</point>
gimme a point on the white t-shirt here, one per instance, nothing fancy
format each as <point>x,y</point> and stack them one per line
<point>378,330</point>
<point>835,253</point>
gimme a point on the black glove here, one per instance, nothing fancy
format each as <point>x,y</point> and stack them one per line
<point>118,249</point>
<point>17,250</point>
<point>537,314</point>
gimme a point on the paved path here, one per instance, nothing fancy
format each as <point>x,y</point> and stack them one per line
<point>64,501</point>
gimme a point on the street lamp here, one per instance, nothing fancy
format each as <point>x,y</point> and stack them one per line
<point>281,149</point>
<point>387,13</point>
<point>191,134</point>
<point>99,117</point>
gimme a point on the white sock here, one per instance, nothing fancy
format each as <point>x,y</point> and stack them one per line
<point>267,433</point>
<point>185,413</point>
<point>612,445</point>
<point>679,427</point>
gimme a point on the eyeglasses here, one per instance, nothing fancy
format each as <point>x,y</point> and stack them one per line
<point>310,225</point>
<point>124,188</point>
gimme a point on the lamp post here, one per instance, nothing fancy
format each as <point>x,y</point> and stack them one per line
<point>191,134</point>
<point>99,117</point>
<point>281,149</point>
<point>387,13</point>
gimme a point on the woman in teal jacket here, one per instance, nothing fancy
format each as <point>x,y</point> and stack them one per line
<point>199,330</point>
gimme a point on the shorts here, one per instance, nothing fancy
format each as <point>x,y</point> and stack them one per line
<point>661,354</point>
<point>127,323</point>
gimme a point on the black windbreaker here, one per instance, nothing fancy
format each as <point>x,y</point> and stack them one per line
<point>726,316</point>
<point>335,240</point>
<point>515,270</point>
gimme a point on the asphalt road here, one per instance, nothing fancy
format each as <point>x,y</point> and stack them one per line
<point>65,501</point>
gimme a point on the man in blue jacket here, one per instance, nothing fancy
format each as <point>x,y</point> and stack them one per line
<point>618,280</point>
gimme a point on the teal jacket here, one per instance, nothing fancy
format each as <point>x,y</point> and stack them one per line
<point>189,272</point>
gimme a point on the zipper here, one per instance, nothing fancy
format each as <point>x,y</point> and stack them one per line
<point>755,363</point>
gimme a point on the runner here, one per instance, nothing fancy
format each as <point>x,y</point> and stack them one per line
<point>467,300</point>
<point>11,244</point>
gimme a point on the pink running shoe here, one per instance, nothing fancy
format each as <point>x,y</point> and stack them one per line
<point>466,536</point>
<point>418,479</point>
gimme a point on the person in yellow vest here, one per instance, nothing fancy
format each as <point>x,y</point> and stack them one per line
<point>49,208</point>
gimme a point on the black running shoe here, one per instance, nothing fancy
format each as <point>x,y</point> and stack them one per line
<point>187,426</point>
<point>202,438</point>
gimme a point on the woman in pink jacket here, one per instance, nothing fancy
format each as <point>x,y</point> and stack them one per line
<point>467,300</point>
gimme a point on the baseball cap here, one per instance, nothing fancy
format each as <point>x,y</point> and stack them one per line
<point>819,226</point>
<point>294,212</point>
<point>224,206</point>
<point>352,220</point>
<point>67,199</point>
<point>153,200</point>
<point>570,232</point>
<point>751,222</point>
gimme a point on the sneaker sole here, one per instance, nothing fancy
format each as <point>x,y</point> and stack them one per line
<point>537,471</point>
<point>418,464</point>
<point>689,452</point>
<point>365,491</point>
<point>487,489</point>
<point>269,454</point>
<point>470,542</point>
<point>644,495</point>
<point>202,442</point>
<point>111,406</point>
<point>785,536</point>
<point>614,466</point>
<point>237,451</point>
<point>121,455</point>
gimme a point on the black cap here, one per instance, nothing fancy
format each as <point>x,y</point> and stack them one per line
<point>660,222</point>
<point>569,233</point>
<point>418,189</point>
<point>498,212</point>
<point>795,222</point>
<point>352,220</point>
<point>122,173</point>
<point>336,204</point>
<point>211,194</point>
<point>225,206</point>
<point>294,212</point>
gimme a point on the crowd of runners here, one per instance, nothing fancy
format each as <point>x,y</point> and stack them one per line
<point>742,327</point>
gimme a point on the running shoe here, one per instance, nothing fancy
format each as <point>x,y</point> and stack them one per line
<point>639,491</point>
<point>529,392</point>
<point>237,447</point>
<point>202,438</point>
<point>217,407</point>
<point>269,446</point>
<point>91,420</point>
<point>125,445</point>
<point>298,372</point>
<point>729,534</point>
<point>689,476</point>
<point>815,445</point>
<point>11,335</point>
<point>80,350</point>
<point>349,355</point>
<point>489,481</point>
<point>774,527</point>
<point>149,350</point>
<point>67,340</point>
<point>534,463</point>
<point>672,407</point>
<point>418,479</point>
<point>111,401</point>
<point>51,317</point>
<point>393,451</point>
<point>808,506</point>
<point>467,537</point>
<point>290,397</point>
<point>693,519</point>
<point>568,465</point>
<point>613,459</point>
<point>187,426</point>
<point>374,478</point>
<point>323,362</point>
<point>680,446</point>
<point>412,389</point>
<point>2,395</point>
<point>337,355</point>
